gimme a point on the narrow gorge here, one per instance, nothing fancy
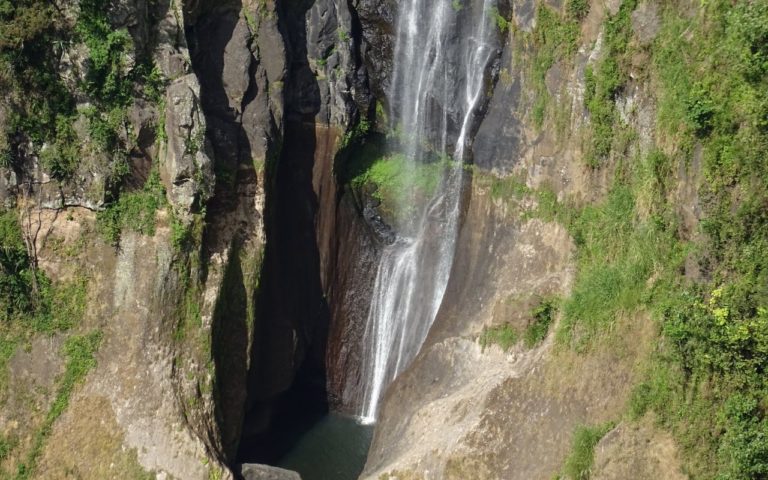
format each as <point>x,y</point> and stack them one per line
<point>386,240</point>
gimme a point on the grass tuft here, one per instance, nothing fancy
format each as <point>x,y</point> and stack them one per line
<point>505,336</point>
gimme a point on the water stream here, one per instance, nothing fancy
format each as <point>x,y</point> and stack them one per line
<point>442,50</point>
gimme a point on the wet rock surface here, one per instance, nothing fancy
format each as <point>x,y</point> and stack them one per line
<point>356,263</point>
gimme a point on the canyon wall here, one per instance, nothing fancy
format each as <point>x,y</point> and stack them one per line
<point>191,241</point>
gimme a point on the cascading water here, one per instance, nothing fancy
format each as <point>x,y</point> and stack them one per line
<point>442,51</point>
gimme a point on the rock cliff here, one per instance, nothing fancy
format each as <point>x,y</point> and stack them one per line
<point>190,241</point>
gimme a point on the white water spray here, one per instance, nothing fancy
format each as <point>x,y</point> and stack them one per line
<point>442,50</point>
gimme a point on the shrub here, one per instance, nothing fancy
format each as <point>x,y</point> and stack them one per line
<point>107,78</point>
<point>24,21</point>
<point>701,110</point>
<point>743,452</point>
<point>355,134</point>
<point>501,22</point>
<point>104,127</point>
<point>61,159</point>
<point>604,81</point>
<point>16,296</point>
<point>578,9</point>
<point>29,34</point>
<point>543,315</point>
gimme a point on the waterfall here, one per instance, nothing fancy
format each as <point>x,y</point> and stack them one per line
<point>442,50</point>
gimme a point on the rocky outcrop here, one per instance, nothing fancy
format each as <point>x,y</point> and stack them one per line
<point>262,472</point>
<point>638,451</point>
<point>188,166</point>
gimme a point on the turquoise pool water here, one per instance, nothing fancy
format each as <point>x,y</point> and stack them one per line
<point>335,448</point>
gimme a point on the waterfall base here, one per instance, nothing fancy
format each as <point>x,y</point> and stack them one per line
<point>335,447</point>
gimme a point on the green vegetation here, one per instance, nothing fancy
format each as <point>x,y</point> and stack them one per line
<point>30,307</point>
<point>391,178</point>
<point>505,336</point>
<point>16,281</point>
<point>501,22</point>
<point>543,316</point>
<point>107,79</point>
<point>394,176</point>
<point>706,380</point>
<point>6,446</point>
<point>62,307</point>
<point>186,242</point>
<point>554,39</point>
<point>26,294</point>
<point>578,465</point>
<point>41,106</point>
<point>621,258</point>
<point>355,134</point>
<point>33,36</point>
<point>506,188</point>
<point>133,210</point>
<point>577,9</point>
<point>715,92</point>
<point>80,354</point>
<point>61,158</point>
<point>604,82</point>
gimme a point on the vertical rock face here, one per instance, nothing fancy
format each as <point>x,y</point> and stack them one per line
<point>188,166</point>
<point>237,53</point>
<point>359,250</point>
<point>377,28</point>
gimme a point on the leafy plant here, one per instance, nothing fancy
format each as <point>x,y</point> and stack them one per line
<point>543,315</point>
<point>62,158</point>
<point>501,22</point>
<point>706,381</point>
<point>577,9</point>
<point>108,79</point>
<point>358,132</point>
<point>16,295</point>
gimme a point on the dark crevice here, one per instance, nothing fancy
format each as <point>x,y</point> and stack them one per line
<point>287,385</point>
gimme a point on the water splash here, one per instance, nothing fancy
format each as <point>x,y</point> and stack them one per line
<point>442,51</point>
